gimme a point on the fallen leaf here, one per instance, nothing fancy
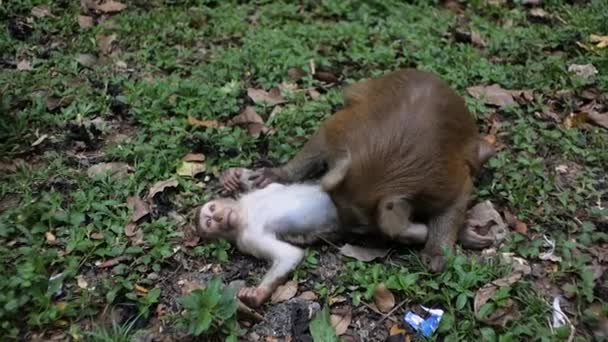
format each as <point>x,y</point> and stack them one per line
<point>493,95</point>
<point>314,94</point>
<point>515,223</point>
<point>477,40</point>
<point>50,238</point>
<point>485,220</point>
<point>138,238</point>
<point>40,140</point>
<point>112,262</point>
<point>41,11</point>
<point>191,169</point>
<point>340,323</point>
<point>325,76</point>
<point>272,97</point>
<point>251,120</point>
<point>397,329</point>
<point>574,120</point>
<point>160,186</point>
<point>24,65</point>
<point>598,119</point>
<point>86,60</point>
<point>111,6</point>
<point>362,253</point>
<point>194,157</point>
<point>585,72</point>
<point>308,295</point>
<point>539,15</point>
<point>335,300</point>
<point>130,229</point>
<point>84,21</point>
<point>284,292</point>
<point>106,43</point>
<point>501,314</point>
<point>53,102</point>
<point>140,208</point>
<point>203,123</point>
<point>81,282</point>
<point>140,289</point>
<point>383,298</point>
<point>97,236</point>
<point>191,238</point>
<point>296,74</point>
<point>600,41</point>
<point>115,169</point>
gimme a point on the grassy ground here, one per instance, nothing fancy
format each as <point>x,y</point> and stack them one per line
<point>68,268</point>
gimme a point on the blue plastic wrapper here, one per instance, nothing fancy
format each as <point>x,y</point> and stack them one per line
<point>424,326</point>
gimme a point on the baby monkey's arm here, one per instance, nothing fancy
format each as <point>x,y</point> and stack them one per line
<point>284,258</point>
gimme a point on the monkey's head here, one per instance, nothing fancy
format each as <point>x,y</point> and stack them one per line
<point>217,218</point>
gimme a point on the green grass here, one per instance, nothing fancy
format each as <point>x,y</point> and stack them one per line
<point>197,58</point>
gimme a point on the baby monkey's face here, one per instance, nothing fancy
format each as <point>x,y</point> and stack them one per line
<point>217,218</point>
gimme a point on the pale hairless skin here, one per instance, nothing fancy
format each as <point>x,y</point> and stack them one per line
<point>265,223</point>
<point>403,147</point>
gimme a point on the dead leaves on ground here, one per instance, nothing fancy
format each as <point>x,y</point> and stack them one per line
<point>502,314</point>
<point>363,253</point>
<point>260,96</point>
<point>251,121</point>
<point>104,6</point>
<point>383,298</point>
<point>284,292</point>
<point>495,95</point>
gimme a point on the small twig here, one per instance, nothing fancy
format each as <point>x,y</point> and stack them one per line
<point>328,242</point>
<point>250,313</point>
<point>376,311</point>
<point>384,317</point>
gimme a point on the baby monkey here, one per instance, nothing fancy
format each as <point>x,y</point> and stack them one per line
<point>267,223</point>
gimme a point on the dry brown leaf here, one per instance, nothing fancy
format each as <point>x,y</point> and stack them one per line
<point>335,300</point>
<point>84,21</point>
<point>140,208</point>
<point>574,120</point>
<point>194,157</point>
<point>493,95</point>
<point>285,292</point>
<point>191,169</point>
<point>81,282</point>
<point>308,295</point>
<point>362,253</point>
<point>53,102</point>
<point>97,236</point>
<point>106,43</point>
<point>598,119</point>
<point>24,65</point>
<point>539,14</point>
<point>296,74</point>
<point>203,123</point>
<point>160,186</point>
<point>397,329</point>
<point>140,289</point>
<point>325,76</point>
<point>50,238</point>
<point>477,40</point>
<point>115,169</point>
<point>340,323</point>
<point>112,262</point>
<point>272,97</point>
<point>599,41</point>
<point>250,120</point>
<point>111,6</point>
<point>515,223</point>
<point>501,315</point>
<point>86,60</point>
<point>383,298</point>
<point>130,229</point>
<point>41,11</point>
<point>314,94</point>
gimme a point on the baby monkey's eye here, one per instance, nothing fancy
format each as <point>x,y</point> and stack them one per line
<point>208,223</point>
<point>212,208</point>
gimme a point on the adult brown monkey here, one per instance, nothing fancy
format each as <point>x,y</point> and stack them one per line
<point>404,147</point>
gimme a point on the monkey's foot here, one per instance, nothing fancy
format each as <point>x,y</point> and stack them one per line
<point>434,262</point>
<point>253,296</point>
<point>231,178</point>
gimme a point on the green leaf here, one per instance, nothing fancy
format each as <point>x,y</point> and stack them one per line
<point>461,301</point>
<point>485,310</point>
<point>488,334</point>
<point>321,329</point>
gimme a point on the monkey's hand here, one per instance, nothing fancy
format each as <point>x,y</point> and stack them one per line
<point>260,178</point>
<point>434,262</point>
<point>231,179</point>
<point>253,296</point>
